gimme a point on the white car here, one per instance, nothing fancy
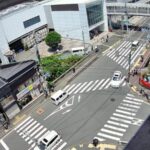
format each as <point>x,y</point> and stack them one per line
<point>48,140</point>
<point>116,79</point>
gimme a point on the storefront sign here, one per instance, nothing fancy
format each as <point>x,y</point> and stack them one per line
<point>25,91</point>
<point>22,93</point>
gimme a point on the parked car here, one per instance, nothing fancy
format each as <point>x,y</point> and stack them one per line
<point>116,79</point>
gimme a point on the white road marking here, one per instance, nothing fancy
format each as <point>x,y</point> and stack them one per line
<point>56,144</point>
<point>65,89</point>
<point>74,88</point>
<point>114,128</point>
<point>121,120</point>
<point>104,84</point>
<point>4,144</point>
<point>24,125</point>
<point>92,86</point>
<point>70,88</point>
<point>68,110</point>
<point>117,124</point>
<point>126,108</point>
<point>131,95</point>
<point>125,112</point>
<point>100,139</point>
<point>98,85</point>
<point>80,87</point>
<point>62,146</point>
<point>111,132</point>
<point>22,122</point>
<point>108,136</point>
<point>131,102</point>
<point>134,99</point>
<point>129,105</point>
<point>122,116</point>
<point>86,86</point>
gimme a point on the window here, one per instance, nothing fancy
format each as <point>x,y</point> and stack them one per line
<point>31,21</point>
<point>52,140</point>
<point>95,13</point>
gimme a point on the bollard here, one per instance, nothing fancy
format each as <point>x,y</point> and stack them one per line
<point>95,142</point>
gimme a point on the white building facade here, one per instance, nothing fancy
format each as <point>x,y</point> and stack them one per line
<point>72,19</point>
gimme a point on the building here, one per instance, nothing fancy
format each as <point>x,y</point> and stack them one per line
<point>71,18</point>
<point>19,85</point>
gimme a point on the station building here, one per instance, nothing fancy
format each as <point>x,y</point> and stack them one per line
<point>22,24</point>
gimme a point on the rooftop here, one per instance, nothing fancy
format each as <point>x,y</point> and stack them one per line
<point>141,140</point>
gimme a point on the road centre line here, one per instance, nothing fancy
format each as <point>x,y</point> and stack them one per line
<point>4,144</point>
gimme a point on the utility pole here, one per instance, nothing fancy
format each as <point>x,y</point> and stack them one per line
<point>83,40</point>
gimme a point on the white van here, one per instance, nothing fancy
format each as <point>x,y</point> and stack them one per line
<point>48,140</point>
<point>59,96</point>
<point>78,51</point>
<point>135,43</point>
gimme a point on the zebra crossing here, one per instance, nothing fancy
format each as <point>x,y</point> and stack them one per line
<point>120,120</point>
<point>90,86</point>
<point>120,54</point>
<point>31,131</point>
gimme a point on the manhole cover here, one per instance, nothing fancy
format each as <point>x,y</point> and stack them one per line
<point>40,111</point>
<point>112,99</point>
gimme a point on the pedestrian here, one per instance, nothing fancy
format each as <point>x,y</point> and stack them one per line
<point>74,70</point>
<point>107,36</point>
<point>142,58</point>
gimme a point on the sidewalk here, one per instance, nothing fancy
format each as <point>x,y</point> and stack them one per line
<point>134,80</point>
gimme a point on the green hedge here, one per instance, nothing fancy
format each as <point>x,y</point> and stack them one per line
<point>57,66</point>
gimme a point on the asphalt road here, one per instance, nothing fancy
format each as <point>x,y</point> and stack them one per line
<point>94,109</point>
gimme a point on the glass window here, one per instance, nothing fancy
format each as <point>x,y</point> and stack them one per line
<point>95,13</point>
<point>31,21</point>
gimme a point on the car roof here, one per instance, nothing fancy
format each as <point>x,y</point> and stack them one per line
<point>49,136</point>
<point>57,94</point>
<point>117,72</point>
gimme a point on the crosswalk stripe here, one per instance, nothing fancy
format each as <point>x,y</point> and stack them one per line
<point>66,87</point>
<point>62,146</point>
<point>92,86</point>
<point>125,112</point>
<point>75,88</point>
<point>118,124</point>
<point>100,139</point>
<point>98,84</point>
<point>38,129</point>
<point>29,131</point>
<point>124,83</point>
<point>104,84</point>
<point>24,125</point>
<point>80,87</point>
<point>56,144</point>
<point>111,132</point>
<point>131,95</point>
<point>108,136</point>
<point>131,102</point>
<point>22,122</point>
<point>134,99</point>
<point>86,86</point>
<point>108,85</point>
<point>26,129</point>
<point>121,120</point>
<point>70,88</point>
<point>122,116</point>
<point>126,108</point>
<point>114,128</point>
<point>129,105</point>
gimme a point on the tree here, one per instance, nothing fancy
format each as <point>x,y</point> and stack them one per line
<point>53,39</point>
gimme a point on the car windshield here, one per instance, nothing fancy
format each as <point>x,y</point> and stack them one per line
<point>42,146</point>
<point>115,78</point>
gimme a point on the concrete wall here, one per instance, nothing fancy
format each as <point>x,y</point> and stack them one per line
<point>13,23</point>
